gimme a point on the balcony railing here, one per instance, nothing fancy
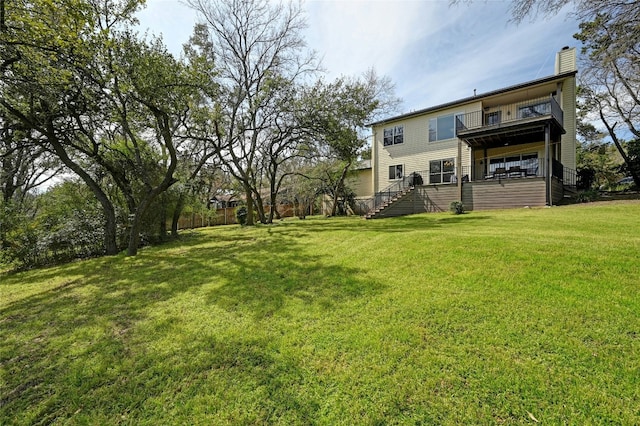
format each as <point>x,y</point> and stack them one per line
<point>529,168</point>
<point>510,113</point>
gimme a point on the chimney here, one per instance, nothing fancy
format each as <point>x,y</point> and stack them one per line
<point>566,60</point>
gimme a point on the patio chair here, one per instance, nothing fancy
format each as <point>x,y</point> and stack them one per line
<point>497,173</point>
<point>500,172</point>
<point>517,171</point>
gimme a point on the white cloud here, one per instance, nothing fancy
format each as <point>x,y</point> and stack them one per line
<point>352,36</point>
<point>479,49</point>
<point>433,52</point>
<point>169,18</point>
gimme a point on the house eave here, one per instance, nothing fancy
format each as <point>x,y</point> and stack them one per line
<point>476,98</point>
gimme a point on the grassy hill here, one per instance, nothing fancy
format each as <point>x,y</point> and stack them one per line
<point>509,317</point>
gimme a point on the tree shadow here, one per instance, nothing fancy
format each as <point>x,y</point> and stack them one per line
<point>407,223</point>
<point>86,346</point>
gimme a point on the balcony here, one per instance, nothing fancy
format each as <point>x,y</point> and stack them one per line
<point>516,123</point>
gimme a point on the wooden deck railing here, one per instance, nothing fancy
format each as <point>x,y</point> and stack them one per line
<point>510,113</point>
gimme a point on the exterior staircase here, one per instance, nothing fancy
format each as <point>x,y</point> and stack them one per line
<point>387,198</point>
<point>569,182</point>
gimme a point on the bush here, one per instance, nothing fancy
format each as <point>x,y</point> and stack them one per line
<point>456,207</point>
<point>21,249</point>
<point>587,196</point>
<point>241,215</point>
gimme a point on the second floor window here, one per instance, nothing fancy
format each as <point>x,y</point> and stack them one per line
<point>444,127</point>
<point>543,108</point>
<point>492,118</point>
<point>393,135</point>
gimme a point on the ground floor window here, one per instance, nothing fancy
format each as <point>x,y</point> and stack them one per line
<point>396,172</point>
<point>441,171</point>
<point>527,162</point>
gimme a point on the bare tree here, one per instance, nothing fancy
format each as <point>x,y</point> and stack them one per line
<point>259,50</point>
<point>611,81</point>
<point>584,10</point>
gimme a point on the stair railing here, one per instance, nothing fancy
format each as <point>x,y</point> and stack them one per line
<point>396,188</point>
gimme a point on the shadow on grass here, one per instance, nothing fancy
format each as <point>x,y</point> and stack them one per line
<point>96,345</point>
<point>409,223</point>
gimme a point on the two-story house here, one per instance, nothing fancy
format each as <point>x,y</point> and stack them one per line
<point>512,147</point>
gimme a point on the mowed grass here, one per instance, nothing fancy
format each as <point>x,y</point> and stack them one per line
<point>501,317</point>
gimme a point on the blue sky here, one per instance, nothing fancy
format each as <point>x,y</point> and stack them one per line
<point>433,52</point>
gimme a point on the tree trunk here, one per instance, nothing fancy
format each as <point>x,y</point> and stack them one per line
<point>635,173</point>
<point>134,235</point>
<point>177,212</point>
<point>249,207</point>
<point>162,229</point>
<point>168,180</point>
<point>110,245</point>
<point>260,208</point>
<point>339,184</point>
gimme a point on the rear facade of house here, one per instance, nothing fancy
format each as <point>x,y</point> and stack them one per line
<point>509,148</point>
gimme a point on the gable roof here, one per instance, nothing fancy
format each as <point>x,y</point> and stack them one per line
<point>476,97</point>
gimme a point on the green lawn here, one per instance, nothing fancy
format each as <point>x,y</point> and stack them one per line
<point>494,317</point>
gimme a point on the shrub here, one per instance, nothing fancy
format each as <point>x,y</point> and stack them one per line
<point>241,215</point>
<point>20,249</point>
<point>587,196</point>
<point>456,207</point>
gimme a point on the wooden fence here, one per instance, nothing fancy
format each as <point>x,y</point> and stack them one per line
<point>226,216</point>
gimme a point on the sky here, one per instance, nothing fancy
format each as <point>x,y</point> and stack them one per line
<point>432,51</point>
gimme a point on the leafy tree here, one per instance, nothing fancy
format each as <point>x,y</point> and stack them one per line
<point>68,222</point>
<point>597,163</point>
<point>365,153</point>
<point>46,49</point>
<point>104,101</point>
<point>24,164</point>
<point>152,96</point>
<point>197,158</point>
<point>285,141</point>
<point>337,115</point>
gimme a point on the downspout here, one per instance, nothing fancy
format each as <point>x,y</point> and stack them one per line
<point>374,161</point>
<point>547,154</point>
<point>459,170</point>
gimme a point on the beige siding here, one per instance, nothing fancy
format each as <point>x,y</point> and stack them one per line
<point>416,152</point>
<point>568,145</point>
<point>566,61</point>
<point>361,181</point>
